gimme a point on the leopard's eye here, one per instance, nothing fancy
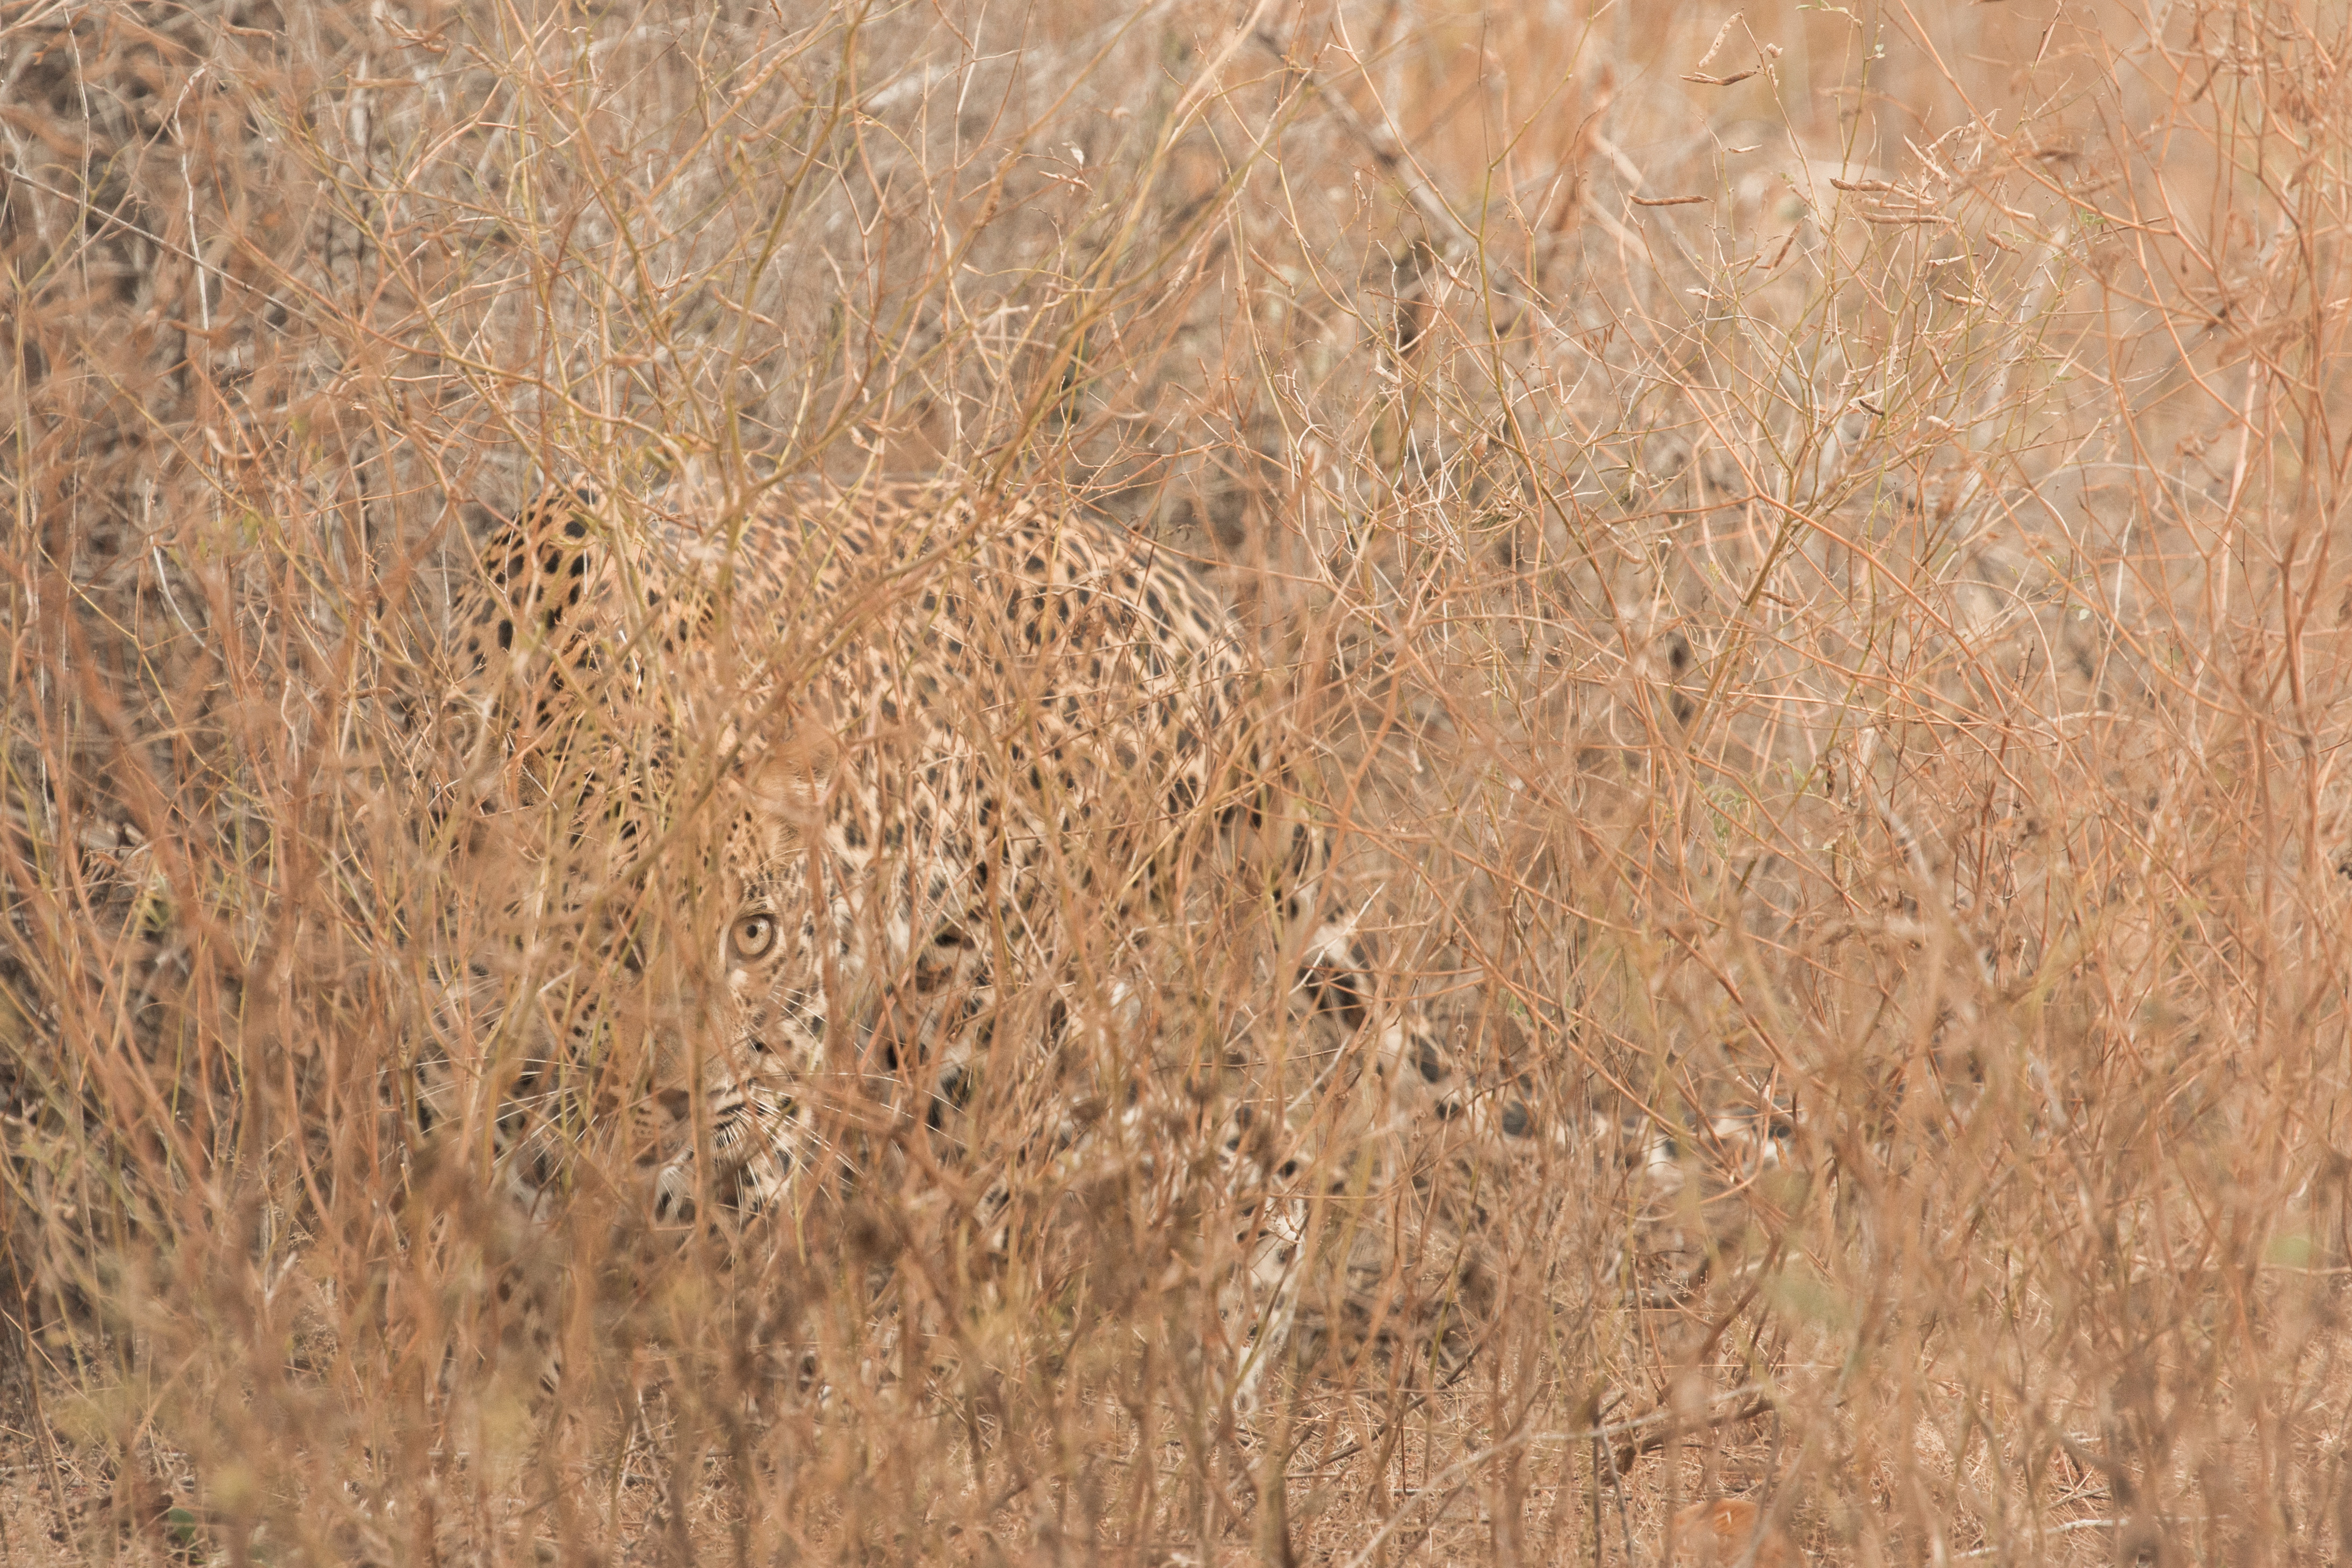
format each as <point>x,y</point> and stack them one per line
<point>752,935</point>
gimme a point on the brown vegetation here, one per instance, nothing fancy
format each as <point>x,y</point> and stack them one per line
<point>1731,1531</point>
<point>1802,544</point>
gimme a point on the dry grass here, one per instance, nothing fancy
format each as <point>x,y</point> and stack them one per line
<point>1803,540</point>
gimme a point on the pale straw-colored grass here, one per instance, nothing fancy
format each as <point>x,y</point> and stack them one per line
<point>1801,546</point>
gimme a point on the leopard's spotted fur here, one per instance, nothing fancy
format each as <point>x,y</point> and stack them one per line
<point>950,735</point>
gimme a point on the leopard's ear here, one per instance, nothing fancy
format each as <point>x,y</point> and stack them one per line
<point>789,773</point>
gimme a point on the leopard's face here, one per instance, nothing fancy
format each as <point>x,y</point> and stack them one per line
<point>764,1053</point>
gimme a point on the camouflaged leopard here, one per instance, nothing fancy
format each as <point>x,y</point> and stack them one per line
<point>950,735</point>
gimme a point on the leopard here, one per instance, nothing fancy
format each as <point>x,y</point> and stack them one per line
<point>944,759</point>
